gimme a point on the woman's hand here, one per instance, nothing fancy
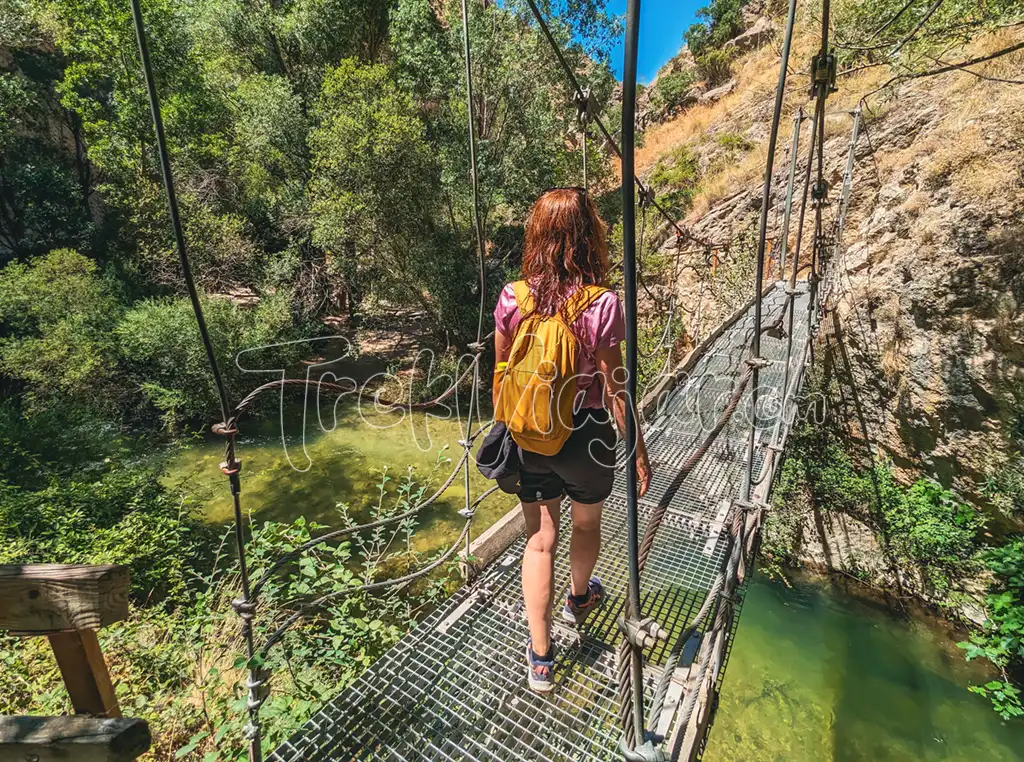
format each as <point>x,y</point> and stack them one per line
<point>609,366</point>
<point>643,471</point>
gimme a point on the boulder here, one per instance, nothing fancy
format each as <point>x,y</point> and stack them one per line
<point>753,37</point>
<point>719,92</point>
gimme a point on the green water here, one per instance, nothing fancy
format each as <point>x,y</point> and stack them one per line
<point>819,674</point>
<point>282,480</point>
<point>816,673</point>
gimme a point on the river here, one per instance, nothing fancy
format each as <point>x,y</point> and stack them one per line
<point>816,674</point>
<point>819,673</point>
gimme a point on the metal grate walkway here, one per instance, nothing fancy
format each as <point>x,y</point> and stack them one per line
<point>454,688</point>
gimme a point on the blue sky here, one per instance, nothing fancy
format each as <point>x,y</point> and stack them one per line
<point>662,23</point>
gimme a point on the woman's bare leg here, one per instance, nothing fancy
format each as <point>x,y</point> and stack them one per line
<point>585,545</point>
<point>539,569</point>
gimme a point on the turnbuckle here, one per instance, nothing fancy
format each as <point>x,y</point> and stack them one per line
<point>819,191</point>
<point>645,197</point>
<point>824,69</point>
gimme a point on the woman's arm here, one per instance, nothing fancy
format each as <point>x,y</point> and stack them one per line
<point>609,365</point>
<point>502,349</point>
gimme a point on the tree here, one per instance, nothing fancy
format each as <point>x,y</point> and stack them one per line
<point>720,21</point>
<point>58,314</point>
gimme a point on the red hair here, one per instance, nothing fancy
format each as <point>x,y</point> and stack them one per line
<point>566,246</point>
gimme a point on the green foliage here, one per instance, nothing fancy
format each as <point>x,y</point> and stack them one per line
<point>656,341</point>
<point>59,312</point>
<point>121,515</point>
<point>720,21</point>
<point>670,90</point>
<point>952,23</point>
<point>732,141</point>
<point>40,187</point>
<point>715,66</point>
<point>162,353</point>
<point>926,527</point>
<point>1005,486</point>
<point>676,177</point>
<point>177,665</point>
<point>929,525</point>
<point>1001,639</point>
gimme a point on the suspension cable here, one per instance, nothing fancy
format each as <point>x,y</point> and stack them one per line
<point>231,466</point>
<point>478,225</point>
<point>823,85</point>
<point>756,361</point>
<point>794,157</point>
<point>634,730</point>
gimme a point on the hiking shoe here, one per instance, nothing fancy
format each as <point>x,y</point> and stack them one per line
<point>577,613</point>
<point>540,674</point>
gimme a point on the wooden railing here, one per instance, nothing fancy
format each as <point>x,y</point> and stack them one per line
<point>68,604</point>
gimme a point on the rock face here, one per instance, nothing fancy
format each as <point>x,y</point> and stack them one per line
<point>717,93</point>
<point>756,35</point>
<point>931,286</point>
<point>926,326</point>
<point>759,30</point>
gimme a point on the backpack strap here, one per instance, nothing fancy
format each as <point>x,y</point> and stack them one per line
<point>574,306</point>
<point>524,299</point>
<point>580,301</point>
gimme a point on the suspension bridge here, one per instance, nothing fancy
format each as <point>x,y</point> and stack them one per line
<point>453,689</point>
<point>639,680</point>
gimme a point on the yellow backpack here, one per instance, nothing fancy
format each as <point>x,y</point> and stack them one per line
<point>538,385</point>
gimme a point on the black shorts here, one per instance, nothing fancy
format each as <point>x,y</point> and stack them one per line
<point>584,469</point>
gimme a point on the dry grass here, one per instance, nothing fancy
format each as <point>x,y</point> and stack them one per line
<point>749,169</point>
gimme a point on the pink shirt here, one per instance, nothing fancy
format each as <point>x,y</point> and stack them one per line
<point>601,326</point>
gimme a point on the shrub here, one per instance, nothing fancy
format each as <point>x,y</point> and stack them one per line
<point>715,66</point>
<point>59,312</point>
<point>121,516</point>
<point>720,21</point>
<point>1005,486</point>
<point>929,526</point>
<point>677,178</point>
<point>180,667</point>
<point>732,141</point>
<point>1001,640</point>
<point>670,90</point>
<point>951,22</point>
<point>161,348</point>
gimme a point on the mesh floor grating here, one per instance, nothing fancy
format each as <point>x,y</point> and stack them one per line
<point>454,688</point>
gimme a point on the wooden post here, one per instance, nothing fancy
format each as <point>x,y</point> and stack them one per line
<point>38,599</point>
<point>67,604</point>
<point>85,672</point>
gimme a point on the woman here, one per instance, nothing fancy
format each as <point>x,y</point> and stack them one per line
<point>566,248</point>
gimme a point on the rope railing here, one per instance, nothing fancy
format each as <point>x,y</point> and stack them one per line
<point>691,723</point>
<point>231,466</point>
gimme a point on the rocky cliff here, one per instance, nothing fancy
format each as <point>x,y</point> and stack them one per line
<point>923,336</point>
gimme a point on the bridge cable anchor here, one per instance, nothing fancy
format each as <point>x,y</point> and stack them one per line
<point>646,752</point>
<point>643,633</point>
